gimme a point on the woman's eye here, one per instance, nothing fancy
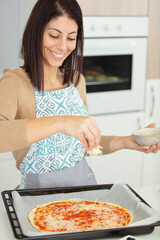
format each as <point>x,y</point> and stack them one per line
<point>52,36</point>
<point>72,39</point>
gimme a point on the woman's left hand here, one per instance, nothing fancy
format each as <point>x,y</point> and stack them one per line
<point>132,144</point>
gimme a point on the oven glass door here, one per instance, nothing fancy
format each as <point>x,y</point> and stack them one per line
<point>107,73</point>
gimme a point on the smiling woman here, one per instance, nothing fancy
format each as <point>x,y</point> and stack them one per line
<point>61,26</point>
<point>51,123</point>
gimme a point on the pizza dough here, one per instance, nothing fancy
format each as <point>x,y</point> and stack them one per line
<point>81,215</point>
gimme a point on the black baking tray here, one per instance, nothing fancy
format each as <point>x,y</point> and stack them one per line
<point>97,234</point>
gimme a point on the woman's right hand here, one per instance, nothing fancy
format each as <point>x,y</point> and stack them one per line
<point>83,128</point>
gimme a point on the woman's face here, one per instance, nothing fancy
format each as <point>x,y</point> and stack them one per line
<point>59,40</point>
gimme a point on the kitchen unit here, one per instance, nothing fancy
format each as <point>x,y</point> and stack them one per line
<point>153,70</point>
<point>115,56</point>
<point>114,7</point>
<point>151,162</point>
<point>115,49</point>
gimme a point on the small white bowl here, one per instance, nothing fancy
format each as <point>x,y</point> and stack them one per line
<point>147,136</point>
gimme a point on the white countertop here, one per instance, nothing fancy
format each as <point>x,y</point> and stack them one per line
<point>151,194</point>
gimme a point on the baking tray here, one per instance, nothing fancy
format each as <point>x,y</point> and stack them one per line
<point>111,233</point>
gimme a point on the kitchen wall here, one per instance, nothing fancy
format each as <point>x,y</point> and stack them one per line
<point>9,33</point>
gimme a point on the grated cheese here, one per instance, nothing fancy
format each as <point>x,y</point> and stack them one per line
<point>95,152</point>
<point>81,215</point>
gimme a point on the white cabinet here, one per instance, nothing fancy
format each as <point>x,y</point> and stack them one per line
<point>9,174</point>
<point>124,164</point>
<point>114,7</point>
<point>135,168</point>
<point>151,168</point>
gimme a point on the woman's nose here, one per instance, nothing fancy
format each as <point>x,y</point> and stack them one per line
<point>62,45</point>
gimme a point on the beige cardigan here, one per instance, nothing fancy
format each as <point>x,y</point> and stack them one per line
<point>17,105</point>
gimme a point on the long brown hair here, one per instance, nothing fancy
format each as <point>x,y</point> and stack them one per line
<point>31,50</point>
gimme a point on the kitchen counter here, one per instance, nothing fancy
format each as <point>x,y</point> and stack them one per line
<point>151,194</point>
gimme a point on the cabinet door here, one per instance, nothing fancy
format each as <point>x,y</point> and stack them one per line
<point>153,63</point>
<point>114,7</point>
<point>123,164</point>
<point>9,174</point>
<point>152,103</point>
<point>151,172</point>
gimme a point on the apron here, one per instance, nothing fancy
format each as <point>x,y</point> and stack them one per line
<point>57,161</point>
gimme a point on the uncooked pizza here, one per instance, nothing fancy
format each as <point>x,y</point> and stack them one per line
<point>81,215</point>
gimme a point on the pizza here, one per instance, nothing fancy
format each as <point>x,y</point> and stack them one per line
<point>78,215</point>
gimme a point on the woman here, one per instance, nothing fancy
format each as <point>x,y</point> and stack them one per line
<point>43,109</point>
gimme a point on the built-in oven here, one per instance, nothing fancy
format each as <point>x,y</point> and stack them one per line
<point>115,56</point>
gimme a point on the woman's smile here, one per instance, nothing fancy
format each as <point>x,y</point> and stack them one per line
<point>57,55</point>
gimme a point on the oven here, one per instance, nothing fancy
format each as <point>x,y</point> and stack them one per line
<point>115,54</point>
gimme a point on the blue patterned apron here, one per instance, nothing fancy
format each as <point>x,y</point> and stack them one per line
<point>58,160</point>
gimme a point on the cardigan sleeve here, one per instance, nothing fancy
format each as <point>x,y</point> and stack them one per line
<point>12,130</point>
